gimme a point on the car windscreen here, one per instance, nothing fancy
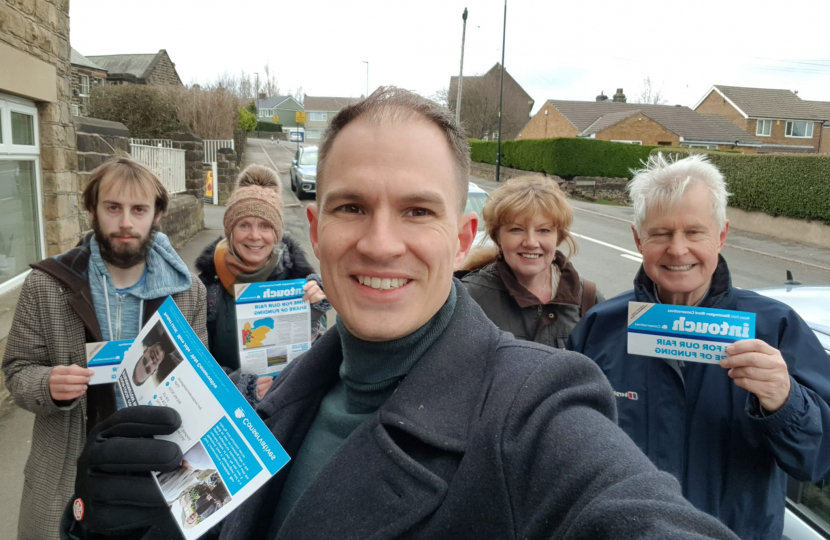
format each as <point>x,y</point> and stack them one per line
<point>475,203</point>
<point>308,158</point>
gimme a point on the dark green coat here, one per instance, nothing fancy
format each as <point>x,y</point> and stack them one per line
<point>514,309</point>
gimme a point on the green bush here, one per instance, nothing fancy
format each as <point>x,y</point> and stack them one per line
<point>247,121</point>
<point>795,186</point>
<point>268,126</point>
<point>565,157</point>
<point>146,111</point>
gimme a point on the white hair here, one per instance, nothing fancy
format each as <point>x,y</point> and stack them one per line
<point>662,182</point>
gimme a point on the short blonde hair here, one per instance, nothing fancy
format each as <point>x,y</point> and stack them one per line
<point>133,175</point>
<point>524,197</point>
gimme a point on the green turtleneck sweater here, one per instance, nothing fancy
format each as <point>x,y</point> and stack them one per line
<point>369,374</point>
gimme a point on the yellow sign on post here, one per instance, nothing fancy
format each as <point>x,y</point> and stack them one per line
<point>299,117</point>
<point>209,185</point>
<point>276,119</point>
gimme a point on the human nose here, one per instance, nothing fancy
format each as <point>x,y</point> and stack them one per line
<point>125,222</point>
<point>382,239</point>
<point>530,239</point>
<point>678,245</point>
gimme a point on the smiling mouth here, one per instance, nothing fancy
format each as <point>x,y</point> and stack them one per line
<point>678,268</point>
<point>530,255</point>
<point>252,248</point>
<point>381,283</point>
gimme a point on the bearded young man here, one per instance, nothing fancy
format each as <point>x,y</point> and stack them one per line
<point>102,290</point>
<point>416,418</point>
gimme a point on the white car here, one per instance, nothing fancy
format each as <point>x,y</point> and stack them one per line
<point>476,197</point>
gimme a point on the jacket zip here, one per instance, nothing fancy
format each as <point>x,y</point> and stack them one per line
<point>118,317</point>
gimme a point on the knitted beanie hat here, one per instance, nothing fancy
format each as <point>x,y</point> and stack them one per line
<point>258,193</point>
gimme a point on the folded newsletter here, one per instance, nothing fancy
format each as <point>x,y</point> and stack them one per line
<point>273,325</point>
<point>228,451</point>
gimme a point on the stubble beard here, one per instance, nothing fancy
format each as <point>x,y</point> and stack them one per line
<point>121,255</point>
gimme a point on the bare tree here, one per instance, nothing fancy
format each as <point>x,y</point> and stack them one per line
<point>441,97</point>
<point>297,93</point>
<point>649,95</point>
<point>269,84</point>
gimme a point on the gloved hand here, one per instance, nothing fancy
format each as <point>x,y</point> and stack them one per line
<point>115,494</point>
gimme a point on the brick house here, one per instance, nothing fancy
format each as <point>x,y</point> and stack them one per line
<point>637,123</point>
<point>480,104</point>
<point>319,112</point>
<point>156,69</point>
<point>779,118</point>
<point>283,107</point>
<point>86,75</point>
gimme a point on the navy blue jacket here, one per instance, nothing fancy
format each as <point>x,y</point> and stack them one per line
<point>695,423</point>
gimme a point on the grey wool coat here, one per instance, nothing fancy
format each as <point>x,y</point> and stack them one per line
<point>487,437</point>
<point>54,320</point>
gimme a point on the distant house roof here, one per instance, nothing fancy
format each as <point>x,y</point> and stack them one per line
<point>591,117</point>
<point>496,69</point>
<point>137,65</point>
<point>77,59</point>
<point>767,103</point>
<point>822,110</point>
<point>272,101</point>
<point>318,103</point>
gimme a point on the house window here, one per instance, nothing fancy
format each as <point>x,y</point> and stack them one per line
<point>706,146</point>
<point>763,128</point>
<point>84,83</point>
<point>318,117</point>
<point>630,142</point>
<point>21,241</point>
<point>800,129</point>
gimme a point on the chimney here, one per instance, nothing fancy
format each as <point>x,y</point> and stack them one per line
<point>602,97</point>
<point>619,97</point>
<point>262,95</point>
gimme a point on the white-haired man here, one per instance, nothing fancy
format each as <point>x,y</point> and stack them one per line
<point>731,432</point>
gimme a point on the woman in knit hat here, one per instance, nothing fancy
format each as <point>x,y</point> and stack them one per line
<point>253,250</point>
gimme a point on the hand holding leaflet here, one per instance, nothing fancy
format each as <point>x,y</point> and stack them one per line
<point>228,451</point>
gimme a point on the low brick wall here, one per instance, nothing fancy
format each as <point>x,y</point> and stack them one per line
<point>784,228</point>
<point>228,170</point>
<point>595,188</point>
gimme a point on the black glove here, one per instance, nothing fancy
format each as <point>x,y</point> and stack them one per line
<point>115,494</point>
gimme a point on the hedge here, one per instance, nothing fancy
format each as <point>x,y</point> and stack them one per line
<point>795,186</point>
<point>268,126</point>
<point>565,157</point>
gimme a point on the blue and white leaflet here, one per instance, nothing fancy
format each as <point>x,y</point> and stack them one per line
<point>104,358</point>
<point>273,325</point>
<point>228,451</point>
<point>687,333</point>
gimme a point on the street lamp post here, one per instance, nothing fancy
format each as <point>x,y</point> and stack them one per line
<point>461,71</point>
<point>256,94</point>
<point>501,91</point>
<point>367,76</point>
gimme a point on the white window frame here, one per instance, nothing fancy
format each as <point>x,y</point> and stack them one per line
<point>788,128</point>
<point>317,116</point>
<point>759,123</point>
<point>628,142</point>
<point>16,152</point>
<point>705,146</point>
<point>81,84</point>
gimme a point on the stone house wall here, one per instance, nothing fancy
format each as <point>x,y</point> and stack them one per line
<point>96,78</point>
<point>35,64</point>
<point>164,71</point>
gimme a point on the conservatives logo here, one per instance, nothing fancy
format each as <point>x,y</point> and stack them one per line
<point>239,413</point>
<point>627,395</point>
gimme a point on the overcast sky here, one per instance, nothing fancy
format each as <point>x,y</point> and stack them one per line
<point>555,49</point>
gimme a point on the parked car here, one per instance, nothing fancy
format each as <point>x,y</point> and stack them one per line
<point>808,504</point>
<point>303,172</point>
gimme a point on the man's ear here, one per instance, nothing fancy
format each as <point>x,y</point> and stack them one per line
<point>637,240</point>
<point>723,234</point>
<point>313,213</point>
<point>158,217</point>
<point>467,227</point>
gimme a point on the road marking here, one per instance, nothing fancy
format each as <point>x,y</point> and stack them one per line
<point>601,214</point>
<point>262,147</point>
<point>606,244</point>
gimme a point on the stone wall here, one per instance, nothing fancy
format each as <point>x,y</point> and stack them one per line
<point>595,188</point>
<point>164,71</point>
<point>96,78</point>
<point>186,213</point>
<point>240,144</point>
<point>35,39</point>
<point>97,141</point>
<point>228,171</point>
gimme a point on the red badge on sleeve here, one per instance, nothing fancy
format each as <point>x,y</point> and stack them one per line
<point>78,509</point>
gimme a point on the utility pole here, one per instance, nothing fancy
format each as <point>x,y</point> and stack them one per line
<point>367,76</point>
<point>256,95</point>
<point>461,72</point>
<point>501,91</point>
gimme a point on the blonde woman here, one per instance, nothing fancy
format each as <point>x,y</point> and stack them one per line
<point>524,283</point>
